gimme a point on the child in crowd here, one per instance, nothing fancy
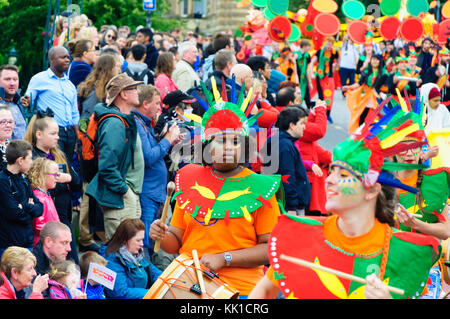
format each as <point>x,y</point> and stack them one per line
<point>64,280</point>
<point>288,161</point>
<point>18,205</point>
<point>93,289</point>
<point>42,176</point>
<point>43,133</point>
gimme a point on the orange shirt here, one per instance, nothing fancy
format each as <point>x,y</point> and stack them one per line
<point>366,244</point>
<point>217,237</point>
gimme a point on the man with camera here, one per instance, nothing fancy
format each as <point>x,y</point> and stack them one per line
<point>154,149</point>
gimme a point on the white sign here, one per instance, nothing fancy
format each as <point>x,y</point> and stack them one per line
<point>149,5</point>
<point>102,275</point>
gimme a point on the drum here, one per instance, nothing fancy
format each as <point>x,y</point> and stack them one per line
<point>445,258</point>
<point>179,281</point>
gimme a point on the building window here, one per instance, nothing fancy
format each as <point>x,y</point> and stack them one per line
<point>184,8</point>
<point>199,8</point>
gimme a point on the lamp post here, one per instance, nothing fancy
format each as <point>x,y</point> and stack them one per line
<point>13,56</point>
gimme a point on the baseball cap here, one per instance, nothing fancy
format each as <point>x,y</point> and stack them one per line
<point>173,98</point>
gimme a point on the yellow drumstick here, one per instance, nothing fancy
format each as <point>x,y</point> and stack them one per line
<point>170,189</point>
<point>199,271</point>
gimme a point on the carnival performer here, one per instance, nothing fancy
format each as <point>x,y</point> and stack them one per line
<point>359,237</point>
<point>286,61</point>
<point>364,95</point>
<point>397,83</point>
<point>412,68</point>
<point>326,59</point>
<point>426,211</point>
<point>304,77</point>
<point>223,210</point>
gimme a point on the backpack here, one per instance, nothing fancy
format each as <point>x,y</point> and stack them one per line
<point>88,150</point>
<point>141,76</point>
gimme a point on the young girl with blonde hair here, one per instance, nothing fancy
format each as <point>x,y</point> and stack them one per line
<point>42,176</point>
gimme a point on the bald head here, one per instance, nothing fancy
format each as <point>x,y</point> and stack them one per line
<point>59,60</point>
<point>56,51</point>
<point>243,73</point>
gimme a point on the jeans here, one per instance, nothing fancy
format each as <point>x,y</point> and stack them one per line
<point>66,142</point>
<point>347,74</point>
<point>149,209</point>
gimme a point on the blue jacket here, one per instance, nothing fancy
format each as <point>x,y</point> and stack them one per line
<point>132,282</point>
<point>16,214</point>
<point>155,175</point>
<point>298,190</point>
<point>78,72</point>
<point>152,56</point>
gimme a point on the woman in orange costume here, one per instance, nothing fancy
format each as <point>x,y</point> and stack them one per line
<point>359,238</point>
<point>223,210</point>
<point>362,96</point>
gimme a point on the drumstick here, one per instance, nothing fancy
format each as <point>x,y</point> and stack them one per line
<point>170,189</point>
<point>338,273</point>
<point>199,271</point>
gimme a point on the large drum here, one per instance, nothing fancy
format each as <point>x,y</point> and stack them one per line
<point>445,259</point>
<point>179,281</point>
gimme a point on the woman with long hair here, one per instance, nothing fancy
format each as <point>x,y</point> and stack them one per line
<point>362,96</point>
<point>165,64</point>
<point>92,90</point>
<point>358,238</point>
<point>125,256</point>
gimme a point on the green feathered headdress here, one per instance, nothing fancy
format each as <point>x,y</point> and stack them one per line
<point>363,153</point>
<point>223,114</point>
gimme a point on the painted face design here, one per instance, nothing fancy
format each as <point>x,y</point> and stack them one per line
<point>344,190</point>
<point>410,156</point>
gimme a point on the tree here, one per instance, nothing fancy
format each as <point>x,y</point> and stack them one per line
<point>130,13</point>
<point>23,25</point>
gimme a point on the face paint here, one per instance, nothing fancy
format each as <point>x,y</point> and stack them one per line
<point>344,190</point>
<point>349,187</point>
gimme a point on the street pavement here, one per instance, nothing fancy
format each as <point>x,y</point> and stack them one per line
<point>336,131</point>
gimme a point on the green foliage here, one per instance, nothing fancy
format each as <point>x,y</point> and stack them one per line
<point>23,22</point>
<point>130,13</point>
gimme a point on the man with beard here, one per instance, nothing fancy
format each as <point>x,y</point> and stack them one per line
<point>10,95</point>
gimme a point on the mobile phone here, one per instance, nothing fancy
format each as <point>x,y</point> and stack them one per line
<point>62,167</point>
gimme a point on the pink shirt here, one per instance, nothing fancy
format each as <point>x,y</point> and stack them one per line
<point>165,84</point>
<point>50,213</point>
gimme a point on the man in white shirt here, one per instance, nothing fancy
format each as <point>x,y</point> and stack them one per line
<point>184,74</point>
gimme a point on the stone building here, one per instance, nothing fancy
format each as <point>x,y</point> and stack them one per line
<point>209,16</point>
